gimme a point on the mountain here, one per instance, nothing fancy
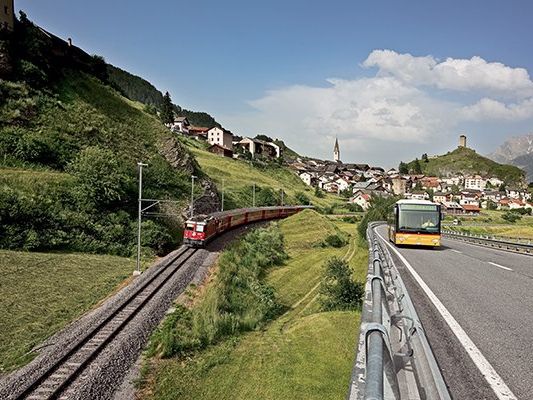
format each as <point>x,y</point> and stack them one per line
<point>517,151</point>
<point>466,161</point>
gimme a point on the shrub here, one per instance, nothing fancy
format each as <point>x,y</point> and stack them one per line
<point>338,289</point>
<point>319,193</point>
<point>350,220</point>
<point>335,240</point>
<point>302,198</point>
<point>511,216</point>
<point>353,207</point>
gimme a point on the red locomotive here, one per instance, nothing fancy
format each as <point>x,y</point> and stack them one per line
<point>202,228</point>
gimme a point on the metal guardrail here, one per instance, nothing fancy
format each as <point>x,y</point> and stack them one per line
<point>394,359</point>
<point>522,246</point>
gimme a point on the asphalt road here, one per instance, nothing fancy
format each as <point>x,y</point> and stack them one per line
<point>488,292</point>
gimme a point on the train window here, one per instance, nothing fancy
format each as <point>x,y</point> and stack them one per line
<point>189,227</point>
<point>200,228</point>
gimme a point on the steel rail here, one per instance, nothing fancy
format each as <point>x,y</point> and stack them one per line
<point>85,350</point>
<point>514,247</point>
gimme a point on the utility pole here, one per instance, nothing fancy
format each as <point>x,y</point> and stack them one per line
<point>253,196</point>
<point>138,270</point>
<point>192,195</point>
<point>222,195</point>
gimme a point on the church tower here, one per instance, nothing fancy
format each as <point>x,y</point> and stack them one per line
<point>336,151</point>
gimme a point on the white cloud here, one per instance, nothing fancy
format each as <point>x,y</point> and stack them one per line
<point>473,74</point>
<point>489,109</point>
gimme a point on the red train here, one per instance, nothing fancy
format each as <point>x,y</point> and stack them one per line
<point>202,228</point>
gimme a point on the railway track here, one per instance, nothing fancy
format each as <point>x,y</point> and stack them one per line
<point>54,381</point>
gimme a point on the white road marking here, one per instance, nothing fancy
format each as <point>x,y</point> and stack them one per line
<point>494,380</point>
<point>500,266</point>
<point>457,251</point>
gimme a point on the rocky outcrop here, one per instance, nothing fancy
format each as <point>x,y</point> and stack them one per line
<point>178,156</point>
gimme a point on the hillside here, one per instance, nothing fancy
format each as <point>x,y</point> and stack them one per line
<point>466,161</point>
<point>138,89</point>
<point>61,123</point>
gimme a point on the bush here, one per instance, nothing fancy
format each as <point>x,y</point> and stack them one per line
<point>335,240</point>
<point>350,220</point>
<point>511,216</point>
<point>338,289</point>
<point>302,198</point>
<point>101,176</point>
<point>319,193</point>
<point>353,207</point>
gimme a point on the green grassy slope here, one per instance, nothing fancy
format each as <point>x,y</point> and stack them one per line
<point>466,161</point>
<point>41,293</point>
<point>303,354</point>
<point>238,176</point>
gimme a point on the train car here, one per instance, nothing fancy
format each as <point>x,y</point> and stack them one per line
<point>416,222</point>
<point>201,229</point>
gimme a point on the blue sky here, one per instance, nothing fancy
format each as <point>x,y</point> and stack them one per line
<point>392,79</point>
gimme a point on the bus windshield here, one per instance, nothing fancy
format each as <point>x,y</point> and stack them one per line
<point>419,218</point>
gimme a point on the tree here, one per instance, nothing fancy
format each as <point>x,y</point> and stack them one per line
<point>319,193</point>
<point>417,169</point>
<point>425,157</point>
<point>403,168</point>
<point>502,187</point>
<point>167,112</point>
<point>302,198</point>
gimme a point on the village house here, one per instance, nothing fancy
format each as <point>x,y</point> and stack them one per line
<point>475,182</point>
<point>430,182</point>
<point>181,125</point>
<point>258,147</point>
<point>517,193</point>
<point>308,178</point>
<point>220,137</point>
<point>331,187</point>
<point>452,207</point>
<point>399,185</point>
<point>417,195</point>
<point>472,209</point>
<point>362,199</point>
<point>440,197</point>
<point>198,132</point>
<point>220,150</point>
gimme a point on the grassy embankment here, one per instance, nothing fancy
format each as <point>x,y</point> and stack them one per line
<point>302,354</point>
<point>41,293</point>
<point>490,222</point>
<point>238,176</point>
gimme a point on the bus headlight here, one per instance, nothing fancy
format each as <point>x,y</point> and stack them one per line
<point>435,241</point>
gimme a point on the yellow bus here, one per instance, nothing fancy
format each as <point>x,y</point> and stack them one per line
<point>415,222</point>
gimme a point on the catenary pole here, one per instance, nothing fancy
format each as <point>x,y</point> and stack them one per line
<point>139,216</point>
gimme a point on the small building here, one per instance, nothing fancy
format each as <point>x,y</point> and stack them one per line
<point>399,185</point>
<point>221,137</point>
<point>440,197</point>
<point>362,199</point>
<point>462,141</point>
<point>471,209</point>
<point>181,124</point>
<point>260,147</point>
<point>417,195</point>
<point>220,150</point>
<point>7,14</point>
<point>475,182</point>
<point>452,207</point>
<point>198,132</point>
<point>308,178</point>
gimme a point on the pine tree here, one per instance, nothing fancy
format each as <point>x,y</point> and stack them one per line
<point>167,112</point>
<point>402,168</point>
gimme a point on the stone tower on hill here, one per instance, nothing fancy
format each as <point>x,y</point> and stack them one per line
<point>462,141</point>
<point>336,151</point>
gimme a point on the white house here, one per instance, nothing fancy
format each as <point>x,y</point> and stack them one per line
<point>180,124</point>
<point>342,184</point>
<point>475,182</point>
<point>495,182</point>
<point>220,137</point>
<point>362,199</point>
<point>306,177</point>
